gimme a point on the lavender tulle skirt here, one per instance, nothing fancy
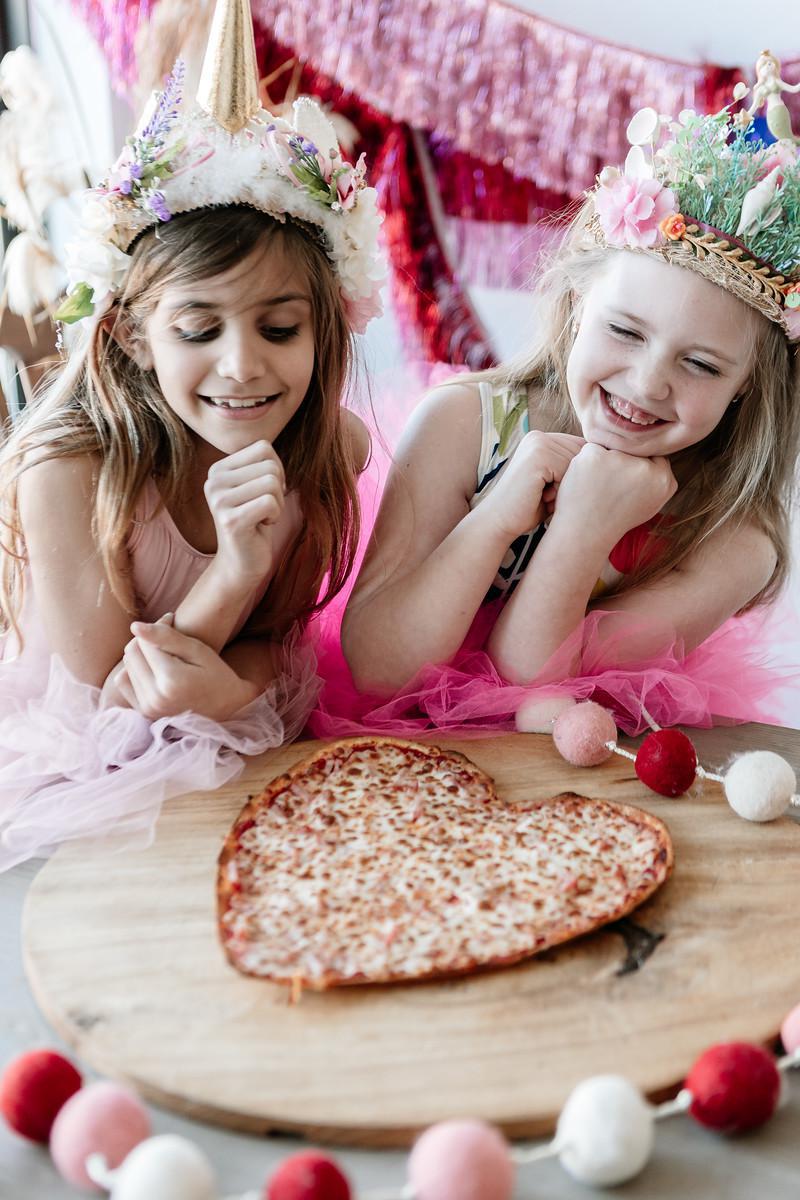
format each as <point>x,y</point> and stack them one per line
<point>70,768</point>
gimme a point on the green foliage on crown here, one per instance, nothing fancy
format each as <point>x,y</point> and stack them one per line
<point>712,169</point>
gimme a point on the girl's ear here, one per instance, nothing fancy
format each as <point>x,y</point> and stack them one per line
<point>117,327</point>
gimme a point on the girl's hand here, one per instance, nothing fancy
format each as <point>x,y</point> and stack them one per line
<point>524,493</point>
<point>607,492</point>
<point>167,672</point>
<point>246,494</point>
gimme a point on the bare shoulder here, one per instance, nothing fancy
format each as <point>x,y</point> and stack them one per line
<point>745,556</point>
<point>57,488</point>
<point>444,428</point>
<point>355,429</point>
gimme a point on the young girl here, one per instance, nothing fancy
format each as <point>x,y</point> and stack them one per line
<point>191,470</point>
<point>582,521</point>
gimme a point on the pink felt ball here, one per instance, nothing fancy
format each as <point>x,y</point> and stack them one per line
<point>581,733</point>
<point>666,762</point>
<point>309,1175</point>
<point>790,1030</point>
<point>104,1118</point>
<point>461,1160</point>
<point>735,1086</point>
<point>33,1087</point>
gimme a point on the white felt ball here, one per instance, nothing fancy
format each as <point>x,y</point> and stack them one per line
<point>760,785</point>
<point>605,1132</point>
<point>164,1168</point>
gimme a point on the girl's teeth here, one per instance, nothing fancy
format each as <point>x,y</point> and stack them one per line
<point>629,411</point>
<point>221,403</point>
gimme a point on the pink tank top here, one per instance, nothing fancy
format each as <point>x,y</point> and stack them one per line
<point>164,566</point>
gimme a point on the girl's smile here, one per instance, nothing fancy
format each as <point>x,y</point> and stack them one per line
<point>234,354</point>
<point>659,354</point>
<point>627,415</point>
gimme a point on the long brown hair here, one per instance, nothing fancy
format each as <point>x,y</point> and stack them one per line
<point>105,405</point>
<point>743,471</point>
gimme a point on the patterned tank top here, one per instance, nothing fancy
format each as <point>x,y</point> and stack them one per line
<point>504,423</point>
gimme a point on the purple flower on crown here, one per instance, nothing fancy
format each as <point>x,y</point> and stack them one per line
<point>145,157</point>
<point>165,113</point>
<point>156,202</point>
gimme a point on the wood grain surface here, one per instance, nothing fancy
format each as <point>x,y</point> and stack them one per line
<point>122,953</point>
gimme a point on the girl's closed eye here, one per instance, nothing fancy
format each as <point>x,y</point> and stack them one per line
<point>272,333</point>
<point>623,331</point>
<point>705,367</point>
<point>280,333</point>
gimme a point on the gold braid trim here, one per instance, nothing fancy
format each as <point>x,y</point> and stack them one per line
<point>720,262</point>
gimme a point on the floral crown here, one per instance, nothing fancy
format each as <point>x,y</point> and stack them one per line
<point>228,150</point>
<point>706,193</point>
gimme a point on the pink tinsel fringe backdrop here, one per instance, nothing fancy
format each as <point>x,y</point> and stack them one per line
<point>478,119</point>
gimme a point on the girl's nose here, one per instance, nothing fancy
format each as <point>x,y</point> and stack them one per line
<point>651,377</point>
<point>243,357</point>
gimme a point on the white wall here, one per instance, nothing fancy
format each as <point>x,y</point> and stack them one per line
<point>727,32</point>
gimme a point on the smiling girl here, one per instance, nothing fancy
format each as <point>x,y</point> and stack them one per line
<point>183,497</point>
<point>581,521</point>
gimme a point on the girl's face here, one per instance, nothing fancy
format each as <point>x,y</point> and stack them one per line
<point>659,355</point>
<point>234,353</point>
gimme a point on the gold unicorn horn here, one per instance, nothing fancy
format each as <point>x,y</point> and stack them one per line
<point>228,88</point>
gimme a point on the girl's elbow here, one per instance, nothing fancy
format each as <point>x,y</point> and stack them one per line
<point>373,672</point>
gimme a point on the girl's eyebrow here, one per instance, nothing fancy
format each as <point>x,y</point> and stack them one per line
<point>211,305</point>
<point>712,350</point>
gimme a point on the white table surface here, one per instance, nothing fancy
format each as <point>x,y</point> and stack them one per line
<point>688,1160</point>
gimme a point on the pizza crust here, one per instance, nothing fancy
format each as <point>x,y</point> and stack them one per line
<point>377,860</point>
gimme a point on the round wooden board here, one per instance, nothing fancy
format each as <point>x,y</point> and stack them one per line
<point>122,954</point>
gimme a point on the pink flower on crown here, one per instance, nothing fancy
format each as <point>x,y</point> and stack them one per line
<point>792,318</point>
<point>630,210</point>
<point>779,154</point>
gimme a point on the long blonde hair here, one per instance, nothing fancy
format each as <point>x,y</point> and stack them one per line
<point>744,470</point>
<point>105,405</point>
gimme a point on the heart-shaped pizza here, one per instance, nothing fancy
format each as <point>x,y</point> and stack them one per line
<point>377,860</point>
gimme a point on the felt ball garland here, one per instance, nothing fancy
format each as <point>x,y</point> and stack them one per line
<point>33,1088</point>
<point>604,1135</point>
<point>759,785</point>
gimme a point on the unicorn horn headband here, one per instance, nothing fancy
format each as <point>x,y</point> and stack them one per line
<point>705,193</point>
<point>226,150</point>
<point>228,88</point>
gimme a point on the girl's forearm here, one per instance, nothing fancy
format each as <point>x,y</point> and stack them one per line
<point>549,603</point>
<point>424,616</point>
<point>255,660</point>
<point>211,610</point>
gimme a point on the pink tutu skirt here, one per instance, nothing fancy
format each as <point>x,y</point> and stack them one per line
<point>726,680</point>
<point>748,670</point>
<point>70,768</point>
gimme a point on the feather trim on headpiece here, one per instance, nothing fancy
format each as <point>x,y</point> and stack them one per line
<point>227,150</point>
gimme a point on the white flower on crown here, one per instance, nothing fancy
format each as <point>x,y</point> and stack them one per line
<point>97,217</point>
<point>98,264</point>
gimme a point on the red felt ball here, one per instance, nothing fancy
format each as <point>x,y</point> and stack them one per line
<point>309,1175</point>
<point>735,1086</point>
<point>33,1087</point>
<point>666,762</point>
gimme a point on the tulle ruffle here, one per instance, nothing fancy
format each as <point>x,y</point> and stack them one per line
<point>70,768</point>
<point>728,679</point>
<point>748,670</point>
